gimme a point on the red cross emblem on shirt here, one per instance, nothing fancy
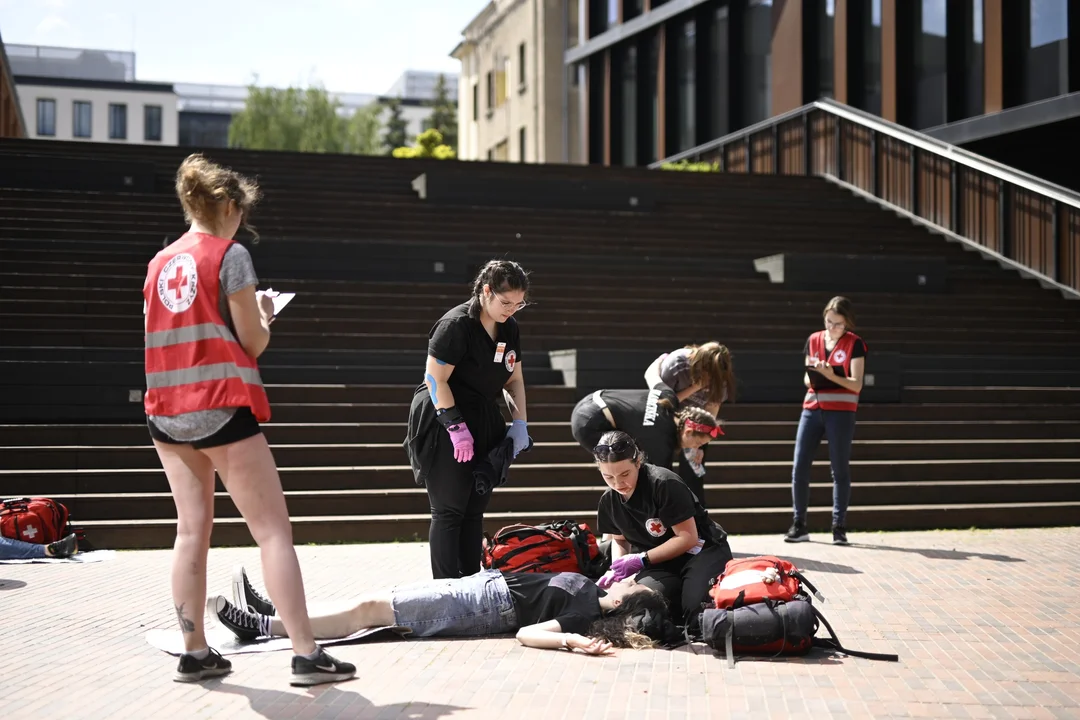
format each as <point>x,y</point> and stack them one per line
<point>656,527</point>
<point>178,282</point>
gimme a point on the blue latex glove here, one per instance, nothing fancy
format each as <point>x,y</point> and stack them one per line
<point>519,433</point>
<point>621,569</point>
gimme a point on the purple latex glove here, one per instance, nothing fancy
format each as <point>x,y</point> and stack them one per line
<point>463,442</point>
<point>621,569</point>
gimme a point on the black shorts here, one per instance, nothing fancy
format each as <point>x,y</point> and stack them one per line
<point>242,426</point>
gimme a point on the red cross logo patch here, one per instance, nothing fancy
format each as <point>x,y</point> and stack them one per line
<point>839,356</point>
<point>655,527</point>
<point>178,283</point>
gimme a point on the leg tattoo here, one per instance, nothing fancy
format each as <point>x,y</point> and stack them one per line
<point>186,625</point>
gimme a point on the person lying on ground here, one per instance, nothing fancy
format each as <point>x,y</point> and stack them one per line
<point>547,610</point>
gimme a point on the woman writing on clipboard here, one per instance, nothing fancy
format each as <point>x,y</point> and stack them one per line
<point>835,367</point>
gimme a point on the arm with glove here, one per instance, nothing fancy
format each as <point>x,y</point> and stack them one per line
<point>625,564</point>
<point>436,376</point>
<point>514,393</point>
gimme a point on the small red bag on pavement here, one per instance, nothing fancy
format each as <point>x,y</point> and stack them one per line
<point>33,520</point>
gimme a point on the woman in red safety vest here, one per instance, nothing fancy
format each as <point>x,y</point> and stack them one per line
<point>835,367</point>
<point>205,325</point>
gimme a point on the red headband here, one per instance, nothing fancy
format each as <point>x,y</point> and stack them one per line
<point>704,429</point>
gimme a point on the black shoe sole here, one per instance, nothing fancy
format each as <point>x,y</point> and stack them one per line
<point>320,678</point>
<point>840,542</point>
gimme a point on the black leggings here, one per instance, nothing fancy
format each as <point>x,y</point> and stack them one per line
<point>684,581</point>
<point>457,513</point>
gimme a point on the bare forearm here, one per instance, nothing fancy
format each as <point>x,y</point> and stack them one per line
<point>514,393</point>
<point>671,549</point>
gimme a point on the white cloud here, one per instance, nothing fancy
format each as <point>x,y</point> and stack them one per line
<point>51,24</point>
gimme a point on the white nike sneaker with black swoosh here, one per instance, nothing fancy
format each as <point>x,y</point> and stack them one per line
<point>323,669</point>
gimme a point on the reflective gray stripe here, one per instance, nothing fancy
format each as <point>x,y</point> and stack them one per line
<point>191,333</point>
<point>833,397</point>
<point>202,373</point>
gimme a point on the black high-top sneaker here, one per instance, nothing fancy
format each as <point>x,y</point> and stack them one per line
<point>323,669</point>
<point>797,533</point>
<point>246,597</point>
<point>839,535</point>
<point>243,624</point>
<point>192,669</point>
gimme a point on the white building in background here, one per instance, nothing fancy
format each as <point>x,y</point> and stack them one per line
<point>511,84</point>
<point>92,96</point>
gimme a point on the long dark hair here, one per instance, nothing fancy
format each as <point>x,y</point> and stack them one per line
<point>641,620</point>
<point>501,276</point>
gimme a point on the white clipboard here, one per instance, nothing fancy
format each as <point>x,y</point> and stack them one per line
<point>280,299</point>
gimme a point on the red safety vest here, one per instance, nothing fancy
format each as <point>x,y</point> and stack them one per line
<point>835,398</point>
<point>193,361</point>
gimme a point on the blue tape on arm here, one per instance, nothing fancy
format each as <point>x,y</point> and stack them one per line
<point>434,387</point>
<point>441,362</point>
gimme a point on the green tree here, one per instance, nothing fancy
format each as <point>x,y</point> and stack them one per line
<point>428,145</point>
<point>444,114</point>
<point>303,120</point>
<point>397,130</point>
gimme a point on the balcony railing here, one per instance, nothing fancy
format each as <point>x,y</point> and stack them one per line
<point>1013,216</point>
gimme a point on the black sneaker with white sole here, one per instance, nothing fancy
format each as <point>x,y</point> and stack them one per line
<point>797,533</point>
<point>839,535</point>
<point>192,669</point>
<point>323,669</point>
<point>246,597</point>
<point>64,547</point>
<point>243,624</point>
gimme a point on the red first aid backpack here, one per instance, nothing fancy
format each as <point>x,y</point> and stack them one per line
<point>563,546</point>
<point>761,608</point>
<point>33,520</point>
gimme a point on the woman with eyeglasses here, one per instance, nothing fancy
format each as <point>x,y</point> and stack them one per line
<point>650,417</point>
<point>474,356</point>
<point>702,376</point>
<point>835,367</point>
<point>660,532</point>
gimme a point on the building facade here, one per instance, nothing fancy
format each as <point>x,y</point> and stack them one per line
<point>510,89</point>
<point>650,78</point>
<point>12,123</point>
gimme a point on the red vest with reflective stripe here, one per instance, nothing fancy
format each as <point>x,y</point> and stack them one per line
<point>834,398</point>
<point>193,361</point>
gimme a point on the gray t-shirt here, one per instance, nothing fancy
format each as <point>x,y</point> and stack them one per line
<point>675,372</point>
<point>237,272</point>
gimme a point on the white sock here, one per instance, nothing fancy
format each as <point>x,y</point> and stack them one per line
<point>199,654</point>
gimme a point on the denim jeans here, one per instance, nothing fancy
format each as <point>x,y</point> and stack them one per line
<point>473,605</point>
<point>18,550</point>
<point>839,427</point>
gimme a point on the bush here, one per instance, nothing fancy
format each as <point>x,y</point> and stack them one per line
<point>429,144</point>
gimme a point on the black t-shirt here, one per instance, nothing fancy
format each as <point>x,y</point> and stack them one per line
<point>652,424</point>
<point>819,381</point>
<point>482,366</point>
<point>660,501</point>
<point>570,598</point>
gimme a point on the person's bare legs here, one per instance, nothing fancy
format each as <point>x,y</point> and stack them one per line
<point>370,611</point>
<point>191,478</point>
<point>249,473</point>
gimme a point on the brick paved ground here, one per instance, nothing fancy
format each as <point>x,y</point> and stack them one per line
<point>986,625</point>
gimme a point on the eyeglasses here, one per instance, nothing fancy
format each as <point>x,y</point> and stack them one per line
<point>507,304</point>
<point>831,325</point>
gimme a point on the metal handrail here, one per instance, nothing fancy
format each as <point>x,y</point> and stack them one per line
<point>912,137</point>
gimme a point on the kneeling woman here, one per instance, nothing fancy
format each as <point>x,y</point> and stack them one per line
<point>649,416</point>
<point>661,534</point>
<point>551,611</point>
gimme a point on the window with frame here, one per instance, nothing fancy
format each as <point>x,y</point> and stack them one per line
<point>81,119</point>
<point>117,121</point>
<point>152,123</point>
<point>46,117</point>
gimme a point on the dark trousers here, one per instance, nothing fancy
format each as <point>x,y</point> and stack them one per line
<point>839,427</point>
<point>457,514</point>
<point>684,581</point>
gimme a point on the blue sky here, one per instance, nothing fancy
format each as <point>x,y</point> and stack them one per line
<point>347,45</point>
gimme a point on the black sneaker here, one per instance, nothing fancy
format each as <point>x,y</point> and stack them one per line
<point>63,548</point>
<point>247,597</point>
<point>839,535</point>
<point>797,533</point>
<point>243,624</point>
<point>323,669</point>
<point>191,669</point>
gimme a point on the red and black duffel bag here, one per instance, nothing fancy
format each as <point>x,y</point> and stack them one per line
<point>33,520</point>
<point>563,546</point>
